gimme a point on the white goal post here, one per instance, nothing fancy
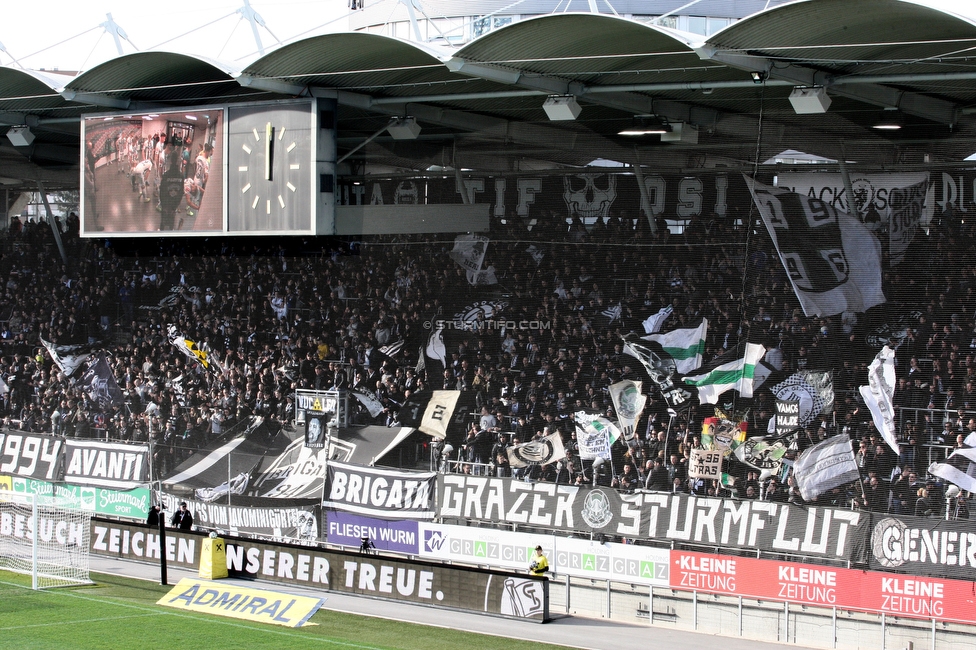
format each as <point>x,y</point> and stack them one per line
<point>41,538</point>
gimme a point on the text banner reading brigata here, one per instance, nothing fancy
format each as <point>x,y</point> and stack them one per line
<point>777,527</point>
<point>379,492</point>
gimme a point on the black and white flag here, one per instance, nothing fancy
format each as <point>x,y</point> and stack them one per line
<point>959,468</point>
<point>101,385</point>
<point>652,324</point>
<point>537,452</point>
<point>437,415</point>
<point>373,405</point>
<point>628,403</point>
<point>613,313</point>
<point>661,368</point>
<point>469,251</point>
<point>813,389</point>
<point>833,260</point>
<point>879,395</point>
<point>824,466</point>
<point>68,358</point>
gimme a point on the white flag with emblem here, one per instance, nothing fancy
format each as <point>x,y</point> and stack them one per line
<point>438,413</point>
<point>628,402</point>
<point>537,452</point>
<point>879,395</point>
<point>833,260</point>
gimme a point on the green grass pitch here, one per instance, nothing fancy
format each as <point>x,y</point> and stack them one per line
<point>119,612</point>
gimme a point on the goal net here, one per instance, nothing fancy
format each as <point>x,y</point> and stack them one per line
<point>42,539</point>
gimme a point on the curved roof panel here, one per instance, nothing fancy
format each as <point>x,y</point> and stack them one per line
<point>354,61</point>
<point>27,91</point>
<point>591,48</point>
<point>871,36</point>
<point>159,77</point>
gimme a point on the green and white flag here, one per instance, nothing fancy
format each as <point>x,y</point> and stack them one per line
<point>731,375</point>
<point>685,346</point>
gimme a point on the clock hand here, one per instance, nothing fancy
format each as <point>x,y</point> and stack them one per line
<point>268,151</point>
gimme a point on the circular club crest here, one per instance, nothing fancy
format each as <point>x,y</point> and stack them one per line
<point>885,531</point>
<point>538,452</point>
<point>628,402</point>
<point>596,509</point>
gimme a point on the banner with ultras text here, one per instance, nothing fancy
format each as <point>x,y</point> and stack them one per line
<point>468,589</point>
<point>767,526</point>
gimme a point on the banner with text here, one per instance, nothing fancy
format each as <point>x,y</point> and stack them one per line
<point>767,526</point>
<point>585,196</point>
<point>346,529</point>
<point>131,504</point>
<point>379,492</point>
<point>923,546</point>
<point>579,558</point>
<point>851,589</point>
<point>426,583</point>
<point>281,519</point>
<point>106,464</point>
<point>31,455</point>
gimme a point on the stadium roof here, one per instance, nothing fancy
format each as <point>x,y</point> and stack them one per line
<point>481,106</point>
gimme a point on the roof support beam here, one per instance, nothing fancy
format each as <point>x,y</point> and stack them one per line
<point>549,85</point>
<point>930,108</point>
<point>96,99</point>
<point>562,138</point>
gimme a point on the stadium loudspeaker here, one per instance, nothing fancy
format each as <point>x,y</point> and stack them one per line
<point>404,129</point>
<point>681,132</point>
<point>810,100</point>
<point>561,108</point>
<point>20,136</point>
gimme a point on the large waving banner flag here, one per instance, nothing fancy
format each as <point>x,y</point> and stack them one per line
<point>826,465</point>
<point>736,374</point>
<point>832,259</point>
<point>194,352</point>
<point>628,404</point>
<point>879,395</point>
<point>685,346</point>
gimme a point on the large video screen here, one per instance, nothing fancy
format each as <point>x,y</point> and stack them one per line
<point>153,174</point>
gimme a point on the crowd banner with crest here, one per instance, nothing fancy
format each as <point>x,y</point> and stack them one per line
<point>923,546</point>
<point>766,526</point>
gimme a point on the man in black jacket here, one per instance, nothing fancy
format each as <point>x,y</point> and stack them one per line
<point>183,519</point>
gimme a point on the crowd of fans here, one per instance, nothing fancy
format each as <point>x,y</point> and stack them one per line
<point>288,314</point>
